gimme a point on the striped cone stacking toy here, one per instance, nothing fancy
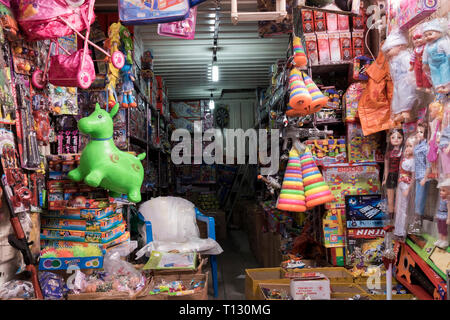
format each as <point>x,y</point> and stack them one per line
<point>299,97</point>
<point>292,196</point>
<point>299,53</point>
<point>291,112</point>
<point>318,100</point>
<point>316,189</point>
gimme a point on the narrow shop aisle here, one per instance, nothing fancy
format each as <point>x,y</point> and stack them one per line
<point>231,266</point>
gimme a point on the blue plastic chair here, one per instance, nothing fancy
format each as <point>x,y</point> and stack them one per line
<point>211,230</point>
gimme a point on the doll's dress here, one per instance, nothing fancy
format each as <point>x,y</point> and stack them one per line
<point>437,54</point>
<point>404,96</point>
<point>444,158</point>
<point>401,202</point>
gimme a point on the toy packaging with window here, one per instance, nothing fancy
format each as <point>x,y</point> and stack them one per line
<point>150,12</point>
<point>363,148</point>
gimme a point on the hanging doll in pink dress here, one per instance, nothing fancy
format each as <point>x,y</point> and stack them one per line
<point>403,189</point>
<point>436,110</point>
<point>422,81</point>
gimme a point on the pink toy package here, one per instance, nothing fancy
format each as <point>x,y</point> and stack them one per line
<point>184,29</point>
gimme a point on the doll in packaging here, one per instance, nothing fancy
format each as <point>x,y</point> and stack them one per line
<point>391,167</point>
<point>444,148</point>
<point>404,97</point>
<point>436,55</point>
<point>420,167</point>
<point>436,111</point>
<point>442,217</point>
<point>406,169</point>
<point>422,81</point>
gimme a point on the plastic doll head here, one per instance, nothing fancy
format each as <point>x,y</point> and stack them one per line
<point>421,131</point>
<point>436,110</point>
<point>394,44</point>
<point>433,30</point>
<point>418,39</point>
<point>409,146</point>
<point>396,137</point>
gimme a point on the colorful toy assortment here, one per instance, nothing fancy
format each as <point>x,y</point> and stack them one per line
<point>328,151</point>
<point>363,148</point>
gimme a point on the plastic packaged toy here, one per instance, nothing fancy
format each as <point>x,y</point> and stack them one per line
<point>436,55</point>
<point>404,97</point>
<point>404,187</point>
<point>391,167</point>
<point>184,29</point>
<point>363,148</point>
<point>422,80</point>
<point>149,12</point>
<point>351,99</point>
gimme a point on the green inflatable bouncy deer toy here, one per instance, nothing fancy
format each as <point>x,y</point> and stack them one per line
<point>102,164</point>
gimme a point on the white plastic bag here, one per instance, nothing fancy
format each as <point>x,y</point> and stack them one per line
<point>173,219</point>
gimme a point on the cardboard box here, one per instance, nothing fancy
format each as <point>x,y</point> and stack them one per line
<point>344,291</point>
<point>320,24</point>
<point>359,22</point>
<point>323,48</point>
<point>335,47</point>
<point>334,274</point>
<point>220,224</point>
<point>311,48</point>
<point>315,285</point>
<point>307,21</point>
<point>358,43</point>
<point>343,22</point>
<point>332,22</point>
<point>281,287</point>
<point>345,39</point>
<point>259,275</point>
<point>52,264</point>
<point>416,11</point>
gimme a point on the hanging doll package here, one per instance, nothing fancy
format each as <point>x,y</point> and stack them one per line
<point>135,12</point>
<point>184,29</point>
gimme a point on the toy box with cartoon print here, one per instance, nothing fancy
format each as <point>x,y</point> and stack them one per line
<point>104,210</point>
<point>83,236</point>
<point>82,225</point>
<point>363,148</point>
<point>328,151</point>
<point>351,179</point>
<point>125,237</point>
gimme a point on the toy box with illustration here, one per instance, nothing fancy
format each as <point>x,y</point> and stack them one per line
<point>404,14</point>
<point>82,225</point>
<point>104,247</point>
<point>133,12</point>
<point>334,228</point>
<point>83,236</point>
<point>314,286</point>
<point>364,251</point>
<point>363,148</point>
<point>328,151</point>
<point>84,213</point>
<point>351,179</point>
<point>365,211</point>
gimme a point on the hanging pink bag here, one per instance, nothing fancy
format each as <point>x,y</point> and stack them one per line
<point>184,29</point>
<point>65,70</point>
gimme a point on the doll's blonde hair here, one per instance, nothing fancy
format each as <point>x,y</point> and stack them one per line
<point>439,107</point>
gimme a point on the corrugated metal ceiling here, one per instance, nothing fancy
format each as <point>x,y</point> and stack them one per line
<point>243,58</point>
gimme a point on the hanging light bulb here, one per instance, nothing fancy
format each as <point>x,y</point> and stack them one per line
<point>215,70</point>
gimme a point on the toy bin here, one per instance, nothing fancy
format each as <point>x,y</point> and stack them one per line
<point>267,275</point>
<point>199,294</point>
<point>335,274</point>
<point>382,296</point>
<point>283,288</point>
<point>113,295</point>
<point>345,291</point>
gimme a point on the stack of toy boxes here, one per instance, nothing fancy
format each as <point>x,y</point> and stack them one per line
<point>332,37</point>
<point>77,213</point>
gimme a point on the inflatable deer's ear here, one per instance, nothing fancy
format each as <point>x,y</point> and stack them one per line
<point>97,107</point>
<point>114,110</point>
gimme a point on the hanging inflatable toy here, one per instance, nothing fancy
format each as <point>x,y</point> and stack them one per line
<point>102,164</point>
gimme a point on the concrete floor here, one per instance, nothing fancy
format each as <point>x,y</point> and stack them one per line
<point>231,263</point>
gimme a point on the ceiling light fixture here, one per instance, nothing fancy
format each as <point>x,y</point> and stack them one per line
<point>211,103</point>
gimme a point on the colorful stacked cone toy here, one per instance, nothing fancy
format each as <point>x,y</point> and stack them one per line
<point>316,189</point>
<point>292,196</point>
<point>299,97</point>
<point>291,112</point>
<point>299,53</point>
<point>318,100</point>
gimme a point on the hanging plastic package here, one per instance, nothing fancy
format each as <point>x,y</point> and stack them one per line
<point>193,3</point>
<point>184,29</point>
<point>152,11</point>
